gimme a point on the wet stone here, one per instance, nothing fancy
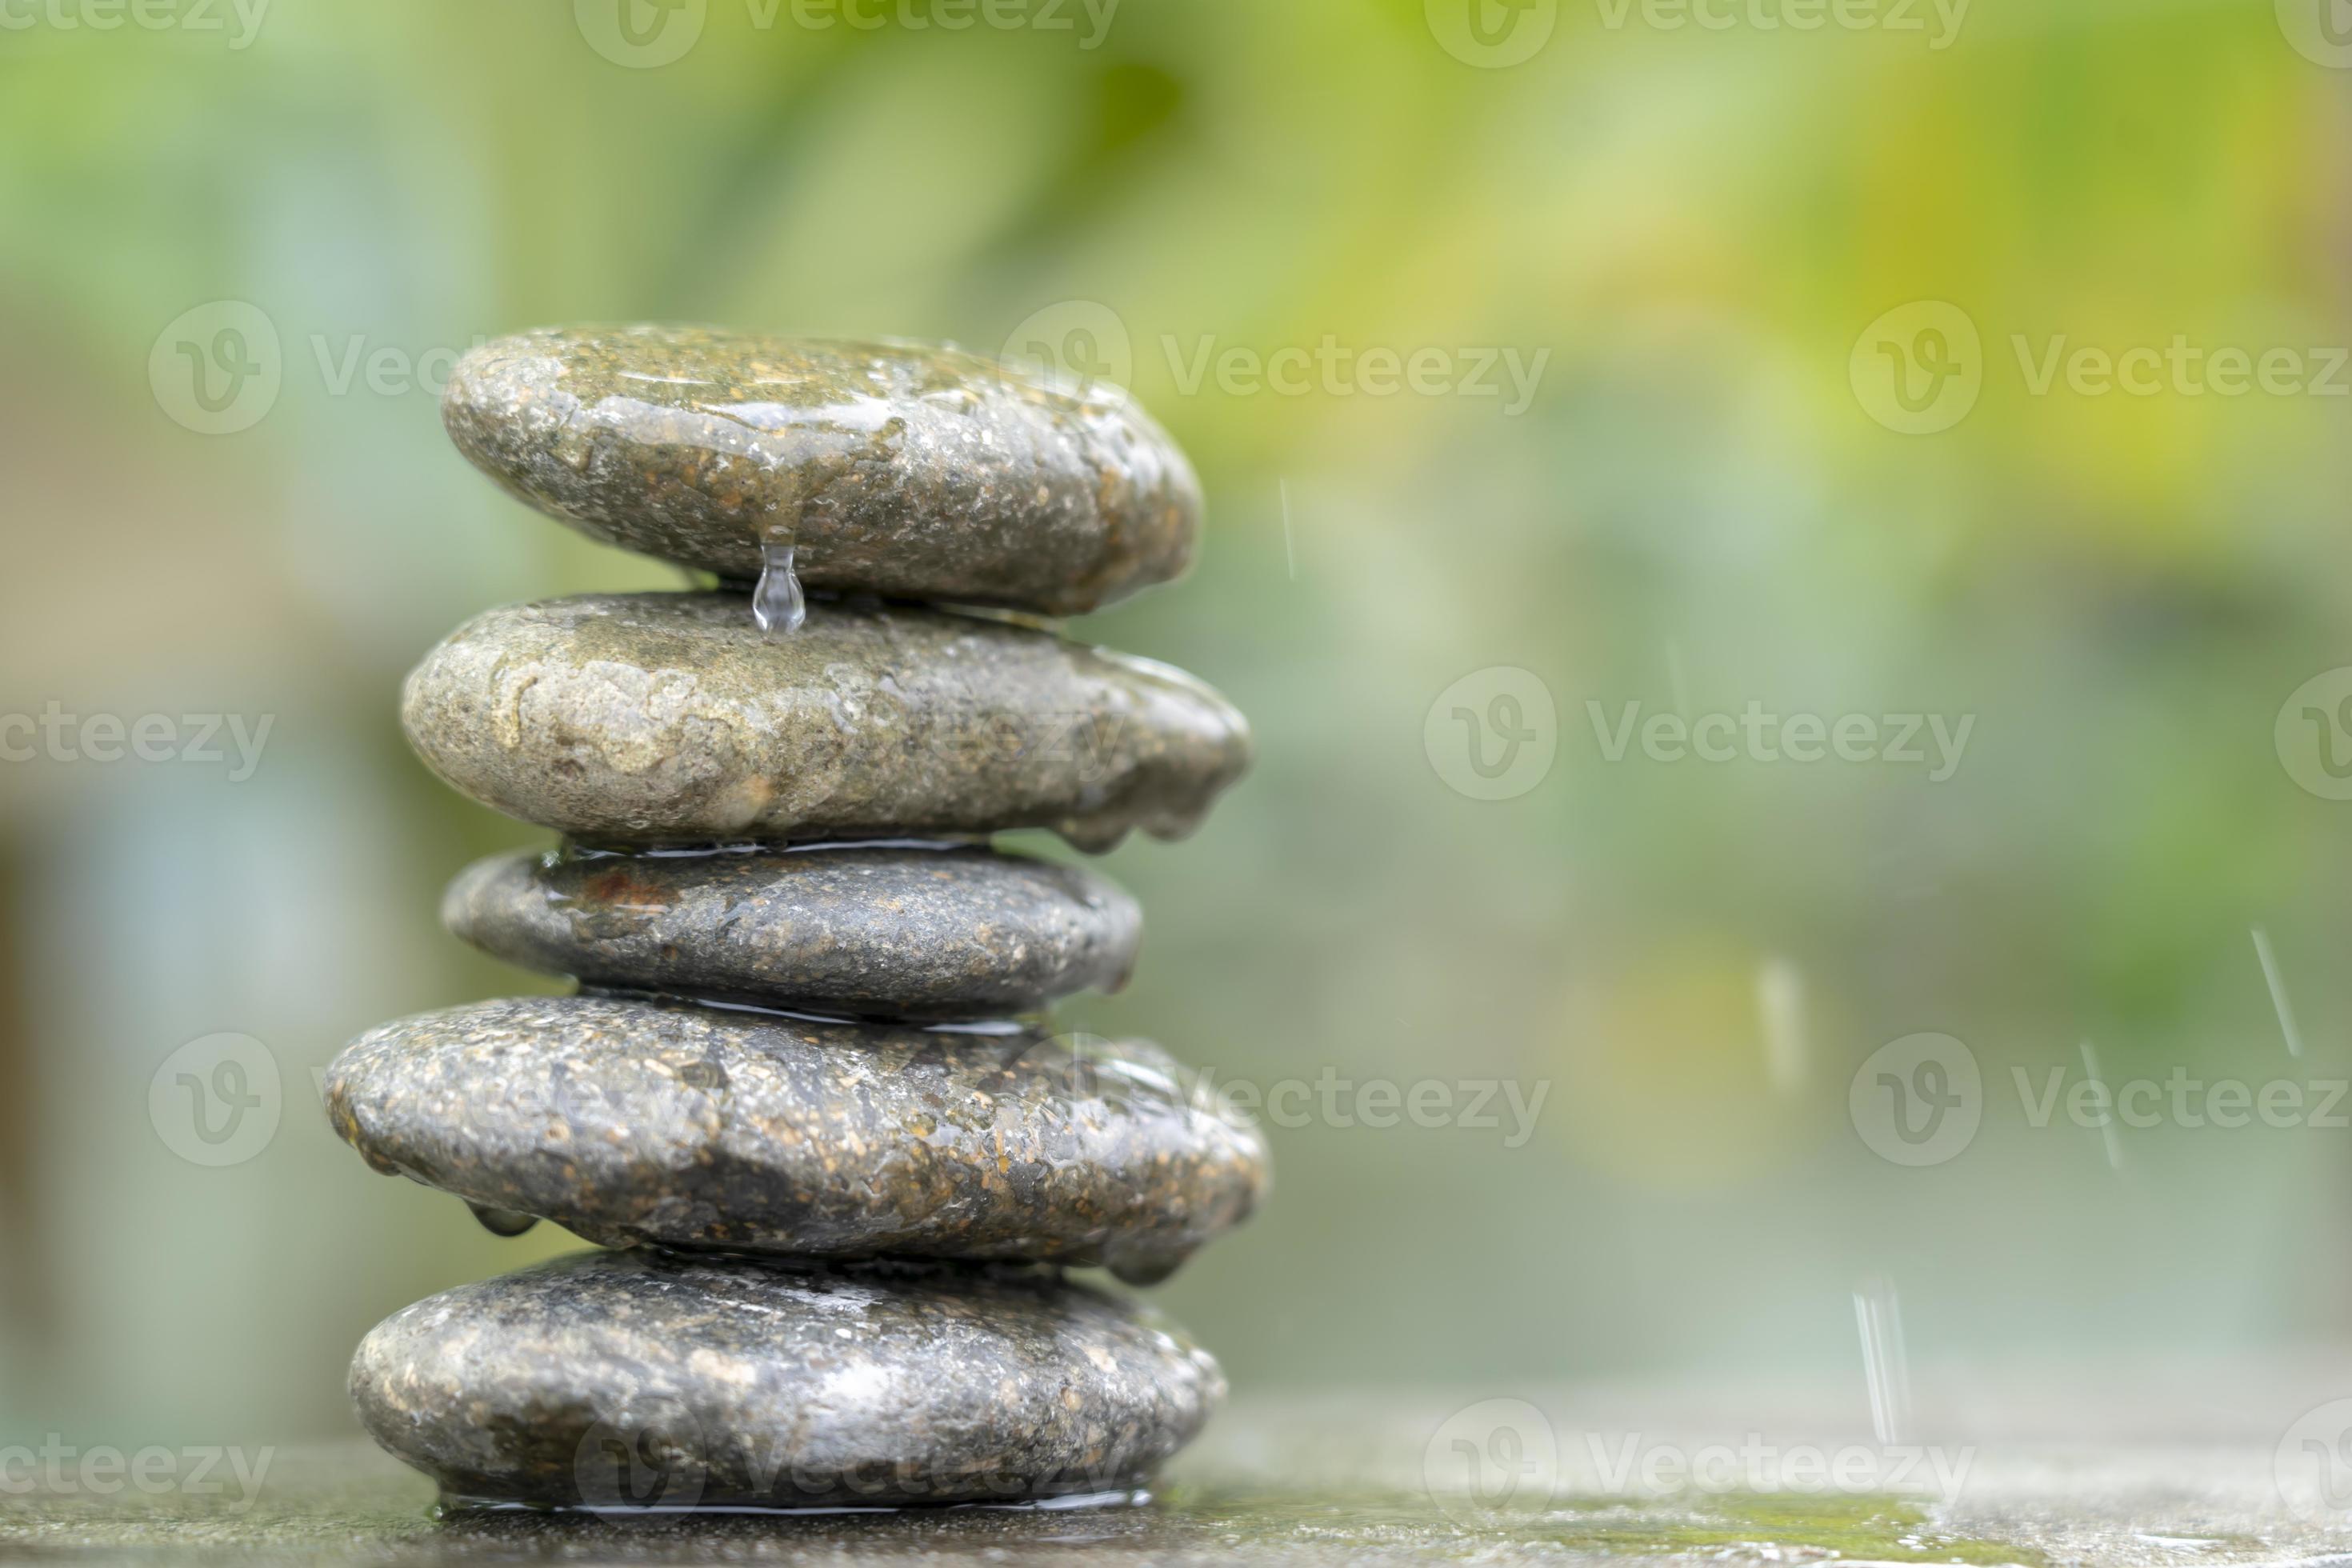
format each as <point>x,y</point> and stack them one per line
<point>629,1121</point>
<point>897,468</point>
<point>643,1380</point>
<point>939,933</point>
<point>672,719</point>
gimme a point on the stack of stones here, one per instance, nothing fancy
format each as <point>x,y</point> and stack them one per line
<point>806,1091</point>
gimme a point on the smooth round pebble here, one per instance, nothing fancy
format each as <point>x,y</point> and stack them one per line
<point>627,1121</point>
<point>909,932</point>
<point>904,470</point>
<point>639,1380</point>
<point>672,719</point>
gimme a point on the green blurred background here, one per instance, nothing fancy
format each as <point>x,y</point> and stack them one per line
<point>1696,509</point>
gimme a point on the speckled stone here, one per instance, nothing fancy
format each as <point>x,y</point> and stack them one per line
<point>629,1121</point>
<point>902,469</point>
<point>640,1380</point>
<point>899,932</point>
<point>671,718</point>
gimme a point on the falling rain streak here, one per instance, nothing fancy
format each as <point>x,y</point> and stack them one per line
<point>2107,1124</point>
<point>2278,993</point>
<point>1885,1364</point>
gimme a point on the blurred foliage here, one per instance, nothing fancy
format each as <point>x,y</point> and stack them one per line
<point>1695,511</point>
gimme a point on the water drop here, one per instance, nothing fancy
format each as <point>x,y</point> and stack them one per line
<point>777,603</point>
<point>502,1221</point>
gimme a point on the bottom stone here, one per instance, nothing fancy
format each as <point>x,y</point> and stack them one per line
<point>639,1379</point>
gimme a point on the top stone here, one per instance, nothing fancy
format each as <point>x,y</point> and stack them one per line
<point>897,468</point>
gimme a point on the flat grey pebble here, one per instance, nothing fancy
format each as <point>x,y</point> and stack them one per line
<point>630,1122</point>
<point>672,719</point>
<point>904,470</point>
<point>939,932</point>
<point>639,1379</point>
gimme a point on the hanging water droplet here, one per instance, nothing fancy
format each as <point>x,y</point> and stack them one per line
<point>777,603</point>
<point>502,1221</point>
